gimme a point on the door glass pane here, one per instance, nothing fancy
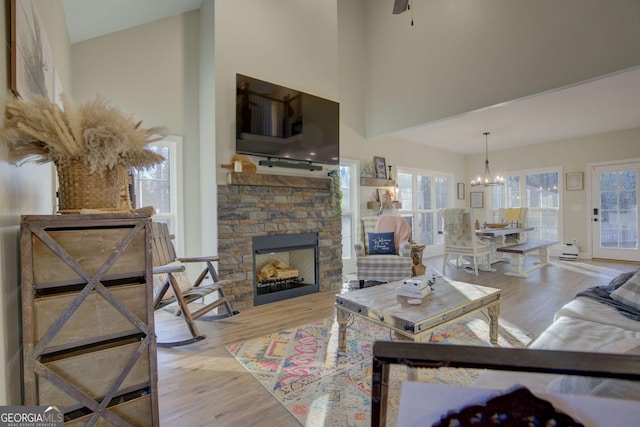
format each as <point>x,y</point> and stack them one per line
<point>439,226</point>
<point>345,184</point>
<point>405,191</point>
<point>543,203</point>
<point>424,229</point>
<point>347,239</point>
<point>424,192</point>
<point>442,192</point>
<point>619,210</point>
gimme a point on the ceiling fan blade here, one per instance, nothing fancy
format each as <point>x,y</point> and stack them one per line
<point>400,6</point>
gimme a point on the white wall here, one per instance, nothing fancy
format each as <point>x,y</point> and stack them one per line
<point>287,42</point>
<point>207,114</point>
<point>152,72</point>
<point>355,73</point>
<point>466,54</point>
<point>23,190</point>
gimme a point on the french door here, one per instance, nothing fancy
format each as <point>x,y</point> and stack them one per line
<point>614,211</point>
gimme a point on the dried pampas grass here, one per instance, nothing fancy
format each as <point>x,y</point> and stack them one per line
<point>99,134</point>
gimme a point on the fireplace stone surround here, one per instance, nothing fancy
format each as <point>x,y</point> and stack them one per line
<point>262,204</point>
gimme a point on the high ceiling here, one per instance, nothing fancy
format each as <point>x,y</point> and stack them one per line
<point>597,106</point>
<point>601,105</point>
<point>87,19</point>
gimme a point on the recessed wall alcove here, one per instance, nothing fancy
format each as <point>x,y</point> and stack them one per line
<point>263,205</point>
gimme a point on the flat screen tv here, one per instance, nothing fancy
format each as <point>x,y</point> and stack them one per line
<point>282,123</point>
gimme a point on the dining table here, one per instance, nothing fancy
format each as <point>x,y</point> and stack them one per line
<point>497,237</point>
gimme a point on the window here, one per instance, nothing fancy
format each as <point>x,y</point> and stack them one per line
<point>157,186</point>
<point>537,190</point>
<point>423,195</point>
<point>349,183</point>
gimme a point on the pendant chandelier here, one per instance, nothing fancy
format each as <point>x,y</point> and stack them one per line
<point>487,180</point>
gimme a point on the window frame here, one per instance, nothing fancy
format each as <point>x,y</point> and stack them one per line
<point>492,212</point>
<point>174,144</point>
<point>349,264</point>
<point>437,248</point>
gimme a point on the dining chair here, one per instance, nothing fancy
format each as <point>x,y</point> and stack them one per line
<point>514,215</point>
<point>460,239</point>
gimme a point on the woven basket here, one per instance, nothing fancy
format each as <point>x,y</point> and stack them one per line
<point>80,189</point>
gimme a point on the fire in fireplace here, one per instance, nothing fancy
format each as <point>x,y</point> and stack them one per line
<point>285,266</point>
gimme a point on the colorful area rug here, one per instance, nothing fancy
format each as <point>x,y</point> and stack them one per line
<point>301,367</point>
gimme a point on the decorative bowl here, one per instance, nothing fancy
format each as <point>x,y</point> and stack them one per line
<point>497,225</point>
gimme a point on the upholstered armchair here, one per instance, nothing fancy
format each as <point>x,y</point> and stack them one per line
<point>391,266</point>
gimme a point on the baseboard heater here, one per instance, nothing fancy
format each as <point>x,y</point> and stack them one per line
<point>569,251</point>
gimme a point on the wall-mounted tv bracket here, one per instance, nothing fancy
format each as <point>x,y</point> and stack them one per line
<point>285,164</point>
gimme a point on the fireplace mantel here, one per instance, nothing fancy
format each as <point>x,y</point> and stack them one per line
<point>268,180</point>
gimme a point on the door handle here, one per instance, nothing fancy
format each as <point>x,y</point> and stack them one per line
<point>595,211</point>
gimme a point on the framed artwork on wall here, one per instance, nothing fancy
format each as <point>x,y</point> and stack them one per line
<point>574,181</point>
<point>381,167</point>
<point>477,199</point>
<point>32,68</point>
<point>461,191</point>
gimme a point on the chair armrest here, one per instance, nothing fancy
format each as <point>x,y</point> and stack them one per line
<point>163,269</point>
<point>404,249</point>
<point>359,247</point>
<point>199,259</point>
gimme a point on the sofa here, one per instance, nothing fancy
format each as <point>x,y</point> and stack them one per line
<point>591,321</point>
<point>594,321</point>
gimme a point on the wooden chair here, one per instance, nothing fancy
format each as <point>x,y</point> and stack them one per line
<point>511,215</point>
<point>169,273</point>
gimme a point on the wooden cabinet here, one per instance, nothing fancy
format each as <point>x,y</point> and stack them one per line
<point>89,345</point>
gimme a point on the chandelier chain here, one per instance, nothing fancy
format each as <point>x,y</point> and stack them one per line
<point>488,179</point>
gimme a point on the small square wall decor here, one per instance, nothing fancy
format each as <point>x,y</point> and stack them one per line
<point>477,199</point>
<point>574,181</point>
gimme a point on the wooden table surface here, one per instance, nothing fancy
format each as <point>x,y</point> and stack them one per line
<point>449,300</point>
<point>492,232</point>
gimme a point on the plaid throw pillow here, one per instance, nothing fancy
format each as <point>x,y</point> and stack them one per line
<point>629,293</point>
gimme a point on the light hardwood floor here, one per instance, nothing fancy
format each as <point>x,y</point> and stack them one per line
<point>203,385</point>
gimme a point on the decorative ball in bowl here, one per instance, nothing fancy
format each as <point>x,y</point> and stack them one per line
<point>497,225</point>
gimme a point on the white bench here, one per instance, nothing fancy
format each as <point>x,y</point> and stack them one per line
<point>519,252</point>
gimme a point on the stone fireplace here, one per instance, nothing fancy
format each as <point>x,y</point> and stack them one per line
<point>255,207</point>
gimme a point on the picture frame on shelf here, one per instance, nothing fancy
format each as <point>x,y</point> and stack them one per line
<point>476,199</point>
<point>461,191</point>
<point>385,195</point>
<point>381,167</point>
<point>574,181</point>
